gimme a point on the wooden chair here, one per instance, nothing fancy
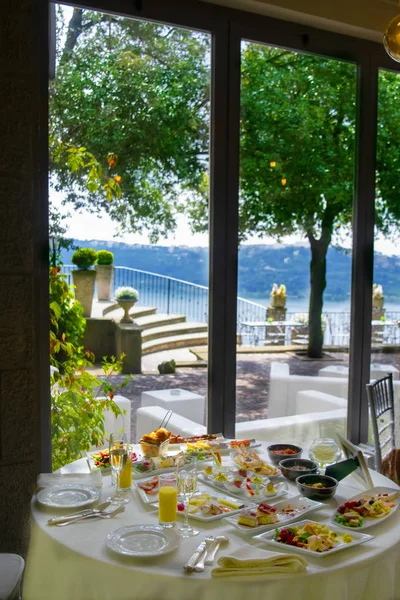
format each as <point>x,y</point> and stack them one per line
<point>381,403</point>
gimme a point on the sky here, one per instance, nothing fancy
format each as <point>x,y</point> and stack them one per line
<point>86,226</point>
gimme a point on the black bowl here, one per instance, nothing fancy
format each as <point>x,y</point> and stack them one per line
<point>276,458</point>
<point>328,491</point>
<point>288,467</point>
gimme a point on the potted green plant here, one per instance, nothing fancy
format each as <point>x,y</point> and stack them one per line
<point>105,274</point>
<point>278,296</point>
<point>84,277</point>
<point>126,298</point>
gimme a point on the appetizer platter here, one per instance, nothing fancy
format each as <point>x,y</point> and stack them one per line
<point>157,465</point>
<point>148,489</point>
<point>221,444</point>
<point>248,459</point>
<point>208,507</point>
<point>264,517</point>
<point>367,508</point>
<point>101,460</point>
<point>309,537</point>
<point>242,483</point>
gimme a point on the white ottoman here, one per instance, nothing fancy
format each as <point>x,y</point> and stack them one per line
<point>334,371</point>
<point>181,402</point>
<point>379,370</point>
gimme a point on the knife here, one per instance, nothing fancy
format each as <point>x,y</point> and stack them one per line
<point>189,566</point>
<point>81,513</point>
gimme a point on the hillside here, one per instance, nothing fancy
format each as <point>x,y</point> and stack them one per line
<point>259,267</point>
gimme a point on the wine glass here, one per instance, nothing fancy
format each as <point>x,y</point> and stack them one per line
<point>118,458</point>
<point>187,483</point>
<point>324,451</point>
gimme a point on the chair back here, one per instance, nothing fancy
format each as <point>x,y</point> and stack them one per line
<point>380,398</point>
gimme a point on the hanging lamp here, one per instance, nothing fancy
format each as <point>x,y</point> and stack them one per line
<point>391,38</point>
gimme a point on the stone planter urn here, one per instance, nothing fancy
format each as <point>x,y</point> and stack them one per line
<point>104,281</point>
<point>84,289</point>
<point>126,305</point>
<point>378,301</point>
<point>278,301</point>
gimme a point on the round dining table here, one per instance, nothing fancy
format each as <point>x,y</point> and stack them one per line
<point>74,563</point>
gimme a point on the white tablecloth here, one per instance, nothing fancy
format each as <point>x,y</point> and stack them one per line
<point>73,563</point>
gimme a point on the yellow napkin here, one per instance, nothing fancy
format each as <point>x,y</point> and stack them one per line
<point>258,563</point>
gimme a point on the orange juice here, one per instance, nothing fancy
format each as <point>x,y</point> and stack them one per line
<point>167,499</point>
<point>125,480</point>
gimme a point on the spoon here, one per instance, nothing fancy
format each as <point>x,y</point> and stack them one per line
<point>219,540</point>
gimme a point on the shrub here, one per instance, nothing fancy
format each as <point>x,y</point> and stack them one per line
<point>126,293</point>
<point>167,367</point>
<point>104,257</point>
<point>84,258</point>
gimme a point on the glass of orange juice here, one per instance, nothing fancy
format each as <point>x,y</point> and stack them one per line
<point>125,480</point>
<point>167,499</point>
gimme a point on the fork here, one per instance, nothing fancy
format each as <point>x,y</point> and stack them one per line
<point>101,515</point>
<point>199,566</point>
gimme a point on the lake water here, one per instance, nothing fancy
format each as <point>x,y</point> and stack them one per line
<point>301,305</point>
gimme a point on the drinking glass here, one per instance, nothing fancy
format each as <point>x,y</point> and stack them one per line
<point>118,458</point>
<point>324,451</point>
<point>187,483</point>
<point>167,500</point>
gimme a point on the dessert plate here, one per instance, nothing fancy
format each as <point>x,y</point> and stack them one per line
<point>143,540</point>
<point>68,496</point>
<point>287,511</point>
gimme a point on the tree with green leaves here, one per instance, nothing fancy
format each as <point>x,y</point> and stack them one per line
<point>139,92</point>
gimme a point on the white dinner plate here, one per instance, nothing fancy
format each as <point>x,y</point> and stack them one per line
<point>369,522</point>
<point>281,489</point>
<point>299,505</point>
<point>358,538</point>
<point>68,496</point>
<point>143,540</point>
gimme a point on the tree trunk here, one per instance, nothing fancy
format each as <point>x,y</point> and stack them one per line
<point>317,286</point>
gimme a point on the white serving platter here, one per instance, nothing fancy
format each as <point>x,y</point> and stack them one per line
<point>301,506</point>
<point>143,541</point>
<point>368,521</point>
<point>358,538</point>
<point>281,489</point>
<point>68,496</point>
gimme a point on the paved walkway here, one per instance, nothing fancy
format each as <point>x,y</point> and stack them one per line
<point>253,373</point>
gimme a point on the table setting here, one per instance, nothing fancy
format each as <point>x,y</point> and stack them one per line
<point>180,532</point>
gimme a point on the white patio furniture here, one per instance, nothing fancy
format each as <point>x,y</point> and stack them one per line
<point>377,370</point>
<point>310,401</point>
<point>182,402</point>
<point>113,424</point>
<point>303,427</point>
<point>11,571</point>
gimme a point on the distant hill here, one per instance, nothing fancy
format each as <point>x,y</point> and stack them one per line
<point>259,267</point>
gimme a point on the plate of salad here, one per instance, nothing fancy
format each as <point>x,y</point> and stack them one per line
<point>367,508</point>
<point>312,538</point>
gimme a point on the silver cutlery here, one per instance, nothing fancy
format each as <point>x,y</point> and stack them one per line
<point>189,566</point>
<point>101,515</point>
<point>199,566</point>
<point>81,513</point>
<point>219,540</point>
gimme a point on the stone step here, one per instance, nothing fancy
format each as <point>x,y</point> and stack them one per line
<point>158,320</point>
<point>174,329</point>
<point>174,341</point>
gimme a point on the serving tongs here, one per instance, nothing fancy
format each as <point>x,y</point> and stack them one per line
<point>165,420</point>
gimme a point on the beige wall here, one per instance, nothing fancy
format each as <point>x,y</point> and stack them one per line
<point>361,18</point>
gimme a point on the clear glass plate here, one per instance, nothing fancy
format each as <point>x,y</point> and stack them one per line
<point>143,540</point>
<point>68,496</point>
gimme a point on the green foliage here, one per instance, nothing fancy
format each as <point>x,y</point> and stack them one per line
<point>126,293</point>
<point>104,257</point>
<point>140,90</point>
<point>84,258</point>
<point>167,367</point>
<point>78,398</point>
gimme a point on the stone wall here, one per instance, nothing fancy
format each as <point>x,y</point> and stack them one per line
<point>23,358</point>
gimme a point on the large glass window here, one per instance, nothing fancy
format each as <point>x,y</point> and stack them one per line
<point>297,161</point>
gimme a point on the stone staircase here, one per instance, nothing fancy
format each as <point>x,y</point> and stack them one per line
<point>160,331</point>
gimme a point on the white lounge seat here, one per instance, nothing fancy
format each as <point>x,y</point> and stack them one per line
<point>303,428</point>
<point>310,401</point>
<point>114,424</point>
<point>181,402</point>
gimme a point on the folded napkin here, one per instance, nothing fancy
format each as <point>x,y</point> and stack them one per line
<point>255,562</point>
<point>45,480</point>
